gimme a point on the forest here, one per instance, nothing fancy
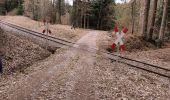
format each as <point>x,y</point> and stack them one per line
<point>146,18</point>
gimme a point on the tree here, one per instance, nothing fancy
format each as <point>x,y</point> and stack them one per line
<point>75,11</point>
<point>59,6</point>
<point>145,18</point>
<point>133,14</point>
<point>103,12</point>
<point>8,5</point>
<point>168,19</point>
<point>163,23</point>
<point>153,17</point>
<point>2,8</point>
<point>20,9</point>
<point>98,14</point>
<point>59,11</point>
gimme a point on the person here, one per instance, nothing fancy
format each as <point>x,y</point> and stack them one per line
<point>1,65</point>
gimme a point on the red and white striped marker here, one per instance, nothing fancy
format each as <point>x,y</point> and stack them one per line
<point>119,38</point>
<point>46,30</point>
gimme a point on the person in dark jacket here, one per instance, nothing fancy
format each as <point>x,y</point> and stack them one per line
<point>1,65</point>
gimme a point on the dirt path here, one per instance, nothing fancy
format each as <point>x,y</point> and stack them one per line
<point>69,76</point>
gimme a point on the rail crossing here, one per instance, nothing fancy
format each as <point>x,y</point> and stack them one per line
<point>158,70</point>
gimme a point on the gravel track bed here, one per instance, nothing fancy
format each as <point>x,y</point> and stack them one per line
<point>118,81</point>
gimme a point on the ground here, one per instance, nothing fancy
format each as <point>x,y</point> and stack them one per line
<point>82,74</point>
<point>18,53</point>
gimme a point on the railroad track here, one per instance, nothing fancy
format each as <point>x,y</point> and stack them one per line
<point>164,72</point>
<point>38,34</point>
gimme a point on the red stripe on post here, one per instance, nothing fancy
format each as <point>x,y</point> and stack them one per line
<point>122,47</point>
<point>113,46</point>
<point>125,30</point>
<point>43,31</point>
<point>49,31</point>
<point>116,29</point>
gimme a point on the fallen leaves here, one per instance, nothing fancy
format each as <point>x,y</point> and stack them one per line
<point>19,53</point>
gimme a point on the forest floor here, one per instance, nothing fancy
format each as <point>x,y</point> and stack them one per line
<point>19,53</point>
<point>72,74</point>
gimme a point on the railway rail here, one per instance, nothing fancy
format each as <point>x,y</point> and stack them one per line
<point>38,34</point>
<point>158,70</point>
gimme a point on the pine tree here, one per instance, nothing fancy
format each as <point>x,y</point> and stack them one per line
<point>20,9</point>
<point>103,11</point>
<point>2,8</point>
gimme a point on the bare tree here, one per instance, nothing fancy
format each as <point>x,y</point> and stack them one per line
<point>133,4</point>
<point>145,18</point>
<point>163,23</point>
<point>152,22</point>
<point>59,11</point>
<point>99,16</point>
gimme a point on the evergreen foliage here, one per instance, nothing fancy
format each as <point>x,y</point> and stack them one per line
<point>20,10</point>
<point>103,14</point>
<point>9,5</point>
<point>2,9</point>
<point>99,14</point>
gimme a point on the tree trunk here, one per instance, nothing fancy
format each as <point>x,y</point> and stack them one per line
<point>59,11</point>
<point>141,16</point>
<point>53,12</point>
<point>99,19</point>
<point>145,18</point>
<point>75,18</point>
<point>84,21</point>
<point>152,23</point>
<point>88,17</point>
<point>82,16</point>
<point>163,23</point>
<point>133,15</point>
